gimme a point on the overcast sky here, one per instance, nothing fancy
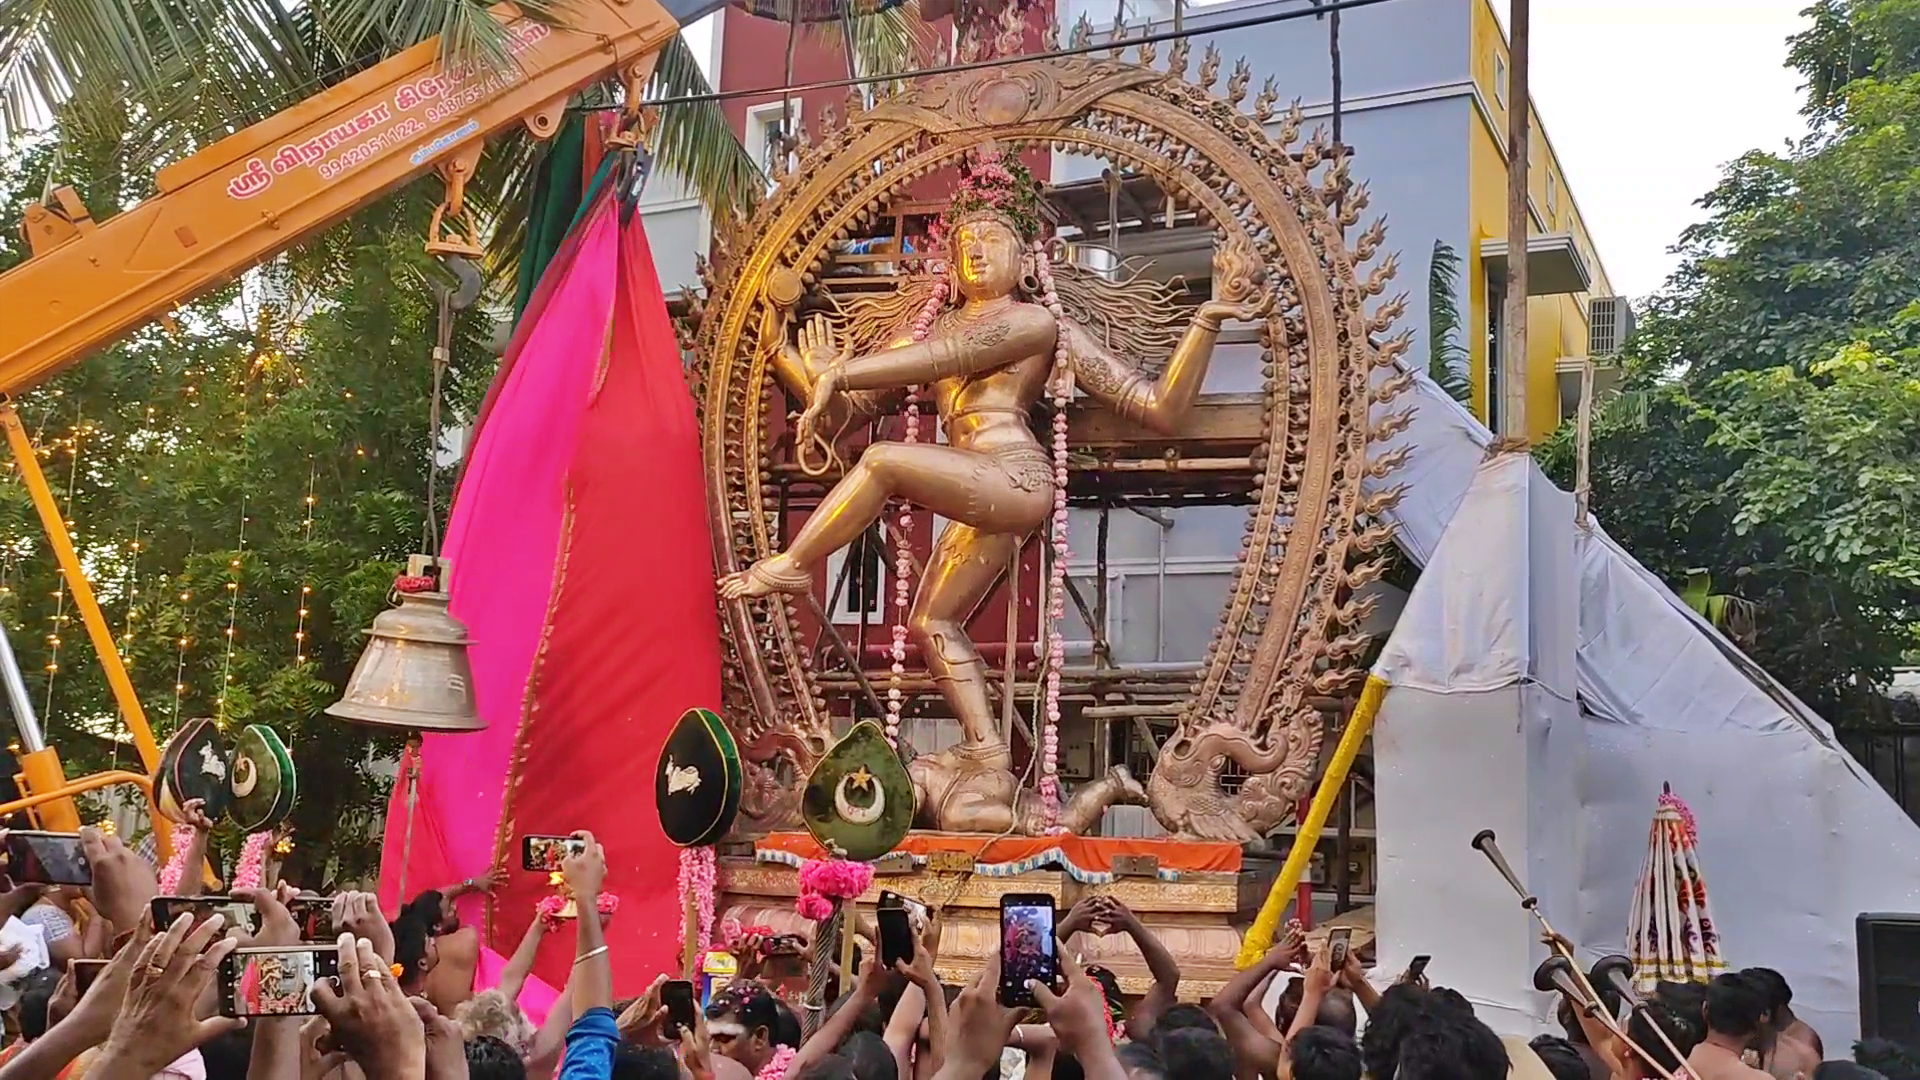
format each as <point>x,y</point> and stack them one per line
<point>1645,100</point>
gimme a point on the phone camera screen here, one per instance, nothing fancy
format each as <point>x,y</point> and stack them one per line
<point>1026,943</point>
<point>549,853</point>
<point>48,858</point>
<point>279,983</point>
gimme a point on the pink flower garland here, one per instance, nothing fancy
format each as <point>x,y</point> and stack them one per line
<point>776,1066</point>
<point>697,874</point>
<point>176,868</point>
<point>903,551</point>
<point>253,861</point>
<point>1062,391</point>
<point>549,908</point>
<point>825,883</point>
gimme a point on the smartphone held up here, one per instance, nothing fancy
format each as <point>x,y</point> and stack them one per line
<point>275,981</point>
<point>47,858</point>
<point>1027,946</point>
<point>547,854</point>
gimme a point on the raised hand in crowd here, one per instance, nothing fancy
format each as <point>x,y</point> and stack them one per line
<point>978,1026</point>
<point>644,1022</point>
<point>696,1048</point>
<point>1353,976</point>
<point>124,884</point>
<point>276,1039</point>
<point>358,913</point>
<point>1078,1016</point>
<point>446,1050</point>
<point>156,1024</point>
<point>591,984</point>
<point>1160,964</point>
<point>369,1016</point>
<point>826,1039</point>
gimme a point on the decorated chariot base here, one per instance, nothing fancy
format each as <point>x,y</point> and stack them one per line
<point>1196,895</point>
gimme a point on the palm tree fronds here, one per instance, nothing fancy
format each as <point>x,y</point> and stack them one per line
<point>1446,359</point>
<point>695,142</point>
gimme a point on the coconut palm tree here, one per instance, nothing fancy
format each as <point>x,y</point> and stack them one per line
<point>1446,357</point>
<point>159,79</point>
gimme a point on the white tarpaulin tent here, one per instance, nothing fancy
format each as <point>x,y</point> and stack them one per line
<point>1544,686</point>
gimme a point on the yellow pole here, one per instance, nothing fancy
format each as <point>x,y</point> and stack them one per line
<point>56,525</point>
<point>1266,925</point>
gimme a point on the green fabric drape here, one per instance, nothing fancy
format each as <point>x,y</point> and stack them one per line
<point>556,201</point>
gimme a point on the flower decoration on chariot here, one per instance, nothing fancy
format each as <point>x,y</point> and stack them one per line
<point>993,184</point>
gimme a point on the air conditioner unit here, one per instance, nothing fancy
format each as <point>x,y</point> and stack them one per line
<point>1609,325</point>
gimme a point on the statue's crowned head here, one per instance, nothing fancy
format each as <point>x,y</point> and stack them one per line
<point>992,218</point>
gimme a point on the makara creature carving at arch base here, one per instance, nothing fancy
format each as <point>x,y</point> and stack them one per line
<point>1281,209</point>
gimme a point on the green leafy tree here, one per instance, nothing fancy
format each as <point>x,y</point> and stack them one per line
<point>1772,448</point>
<point>1446,357</point>
<point>185,461</point>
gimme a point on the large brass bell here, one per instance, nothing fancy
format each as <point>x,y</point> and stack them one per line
<point>414,674</point>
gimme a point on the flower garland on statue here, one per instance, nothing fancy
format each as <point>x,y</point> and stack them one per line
<point>252,868</point>
<point>903,551</point>
<point>1061,389</point>
<point>697,874</point>
<point>825,883</point>
<point>550,907</point>
<point>176,868</point>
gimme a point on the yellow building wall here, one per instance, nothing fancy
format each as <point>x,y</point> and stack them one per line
<point>1556,325</point>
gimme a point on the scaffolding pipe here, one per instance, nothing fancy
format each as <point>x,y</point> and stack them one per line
<point>32,739</point>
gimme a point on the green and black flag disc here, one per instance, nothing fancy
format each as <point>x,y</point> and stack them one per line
<point>264,782</point>
<point>858,802</point>
<point>698,781</point>
<point>196,765</point>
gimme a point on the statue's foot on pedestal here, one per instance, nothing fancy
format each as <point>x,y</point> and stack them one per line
<point>776,573</point>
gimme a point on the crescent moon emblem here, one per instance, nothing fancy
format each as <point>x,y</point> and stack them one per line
<point>859,815</point>
<point>245,775</point>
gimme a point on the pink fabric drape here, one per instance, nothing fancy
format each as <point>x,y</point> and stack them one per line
<point>503,542</point>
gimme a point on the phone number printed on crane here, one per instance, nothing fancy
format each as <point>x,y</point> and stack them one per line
<point>418,104</point>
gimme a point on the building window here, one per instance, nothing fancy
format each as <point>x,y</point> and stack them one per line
<point>1496,356</point>
<point>1553,193</point>
<point>862,593</point>
<point>1500,79</point>
<point>767,131</point>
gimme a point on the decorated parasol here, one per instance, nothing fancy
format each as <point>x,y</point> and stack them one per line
<point>1670,933</point>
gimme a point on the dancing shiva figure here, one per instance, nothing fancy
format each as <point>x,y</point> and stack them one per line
<point>983,341</point>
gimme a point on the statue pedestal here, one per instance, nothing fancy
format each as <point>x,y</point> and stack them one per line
<point>1196,896</point>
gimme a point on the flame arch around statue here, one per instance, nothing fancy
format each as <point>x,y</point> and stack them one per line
<point>1289,628</point>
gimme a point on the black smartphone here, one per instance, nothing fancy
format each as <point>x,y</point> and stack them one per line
<point>275,981</point>
<point>677,996</point>
<point>85,972</point>
<point>238,911</point>
<point>47,858</point>
<point>546,853</point>
<point>1338,939</point>
<point>1026,946</point>
<point>1418,968</point>
<point>896,930</point>
<point>314,916</point>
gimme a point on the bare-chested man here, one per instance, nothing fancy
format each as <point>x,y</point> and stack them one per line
<point>456,948</point>
<point>1736,1004</point>
<point>1788,1046</point>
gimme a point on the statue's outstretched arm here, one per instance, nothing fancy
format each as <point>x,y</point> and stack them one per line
<point>1161,404</point>
<point>991,341</point>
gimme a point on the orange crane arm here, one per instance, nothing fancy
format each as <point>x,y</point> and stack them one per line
<point>259,191</point>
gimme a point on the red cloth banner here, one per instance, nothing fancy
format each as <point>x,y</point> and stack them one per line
<point>632,640</point>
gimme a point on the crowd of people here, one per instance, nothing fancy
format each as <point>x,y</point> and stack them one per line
<point>403,1006</point>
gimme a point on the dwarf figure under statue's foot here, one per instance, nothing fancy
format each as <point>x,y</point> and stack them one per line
<point>972,789</point>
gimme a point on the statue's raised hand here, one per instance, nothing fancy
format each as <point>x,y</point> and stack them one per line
<point>821,352</point>
<point>819,349</point>
<point>1240,289</point>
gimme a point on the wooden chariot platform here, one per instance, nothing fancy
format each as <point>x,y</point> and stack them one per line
<point>1196,896</point>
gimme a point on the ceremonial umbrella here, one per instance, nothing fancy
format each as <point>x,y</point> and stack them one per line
<point>1670,933</point>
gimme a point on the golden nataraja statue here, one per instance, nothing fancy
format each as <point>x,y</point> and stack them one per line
<point>983,345</point>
